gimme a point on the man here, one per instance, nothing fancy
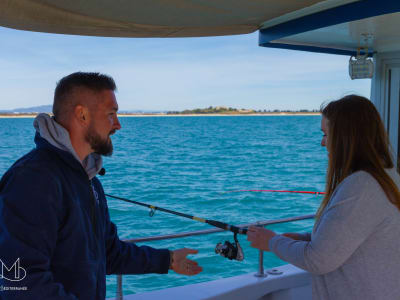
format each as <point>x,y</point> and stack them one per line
<point>56,237</point>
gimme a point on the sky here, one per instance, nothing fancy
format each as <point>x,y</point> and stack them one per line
<point>159,74</point>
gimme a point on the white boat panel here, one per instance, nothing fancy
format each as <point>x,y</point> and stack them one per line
<point>293,284</point>
<point>385,94</point>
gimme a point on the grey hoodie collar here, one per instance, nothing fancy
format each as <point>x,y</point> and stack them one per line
<point>58,136</point>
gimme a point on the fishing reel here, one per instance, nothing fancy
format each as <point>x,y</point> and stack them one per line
<point>230,250</point>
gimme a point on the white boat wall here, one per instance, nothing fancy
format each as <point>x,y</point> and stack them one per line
<point>338,27</point>
<point>284,283</point>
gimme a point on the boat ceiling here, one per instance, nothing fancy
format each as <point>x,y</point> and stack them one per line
<point>380,34</point>
<point>146,18</point>
<point>339,30</point>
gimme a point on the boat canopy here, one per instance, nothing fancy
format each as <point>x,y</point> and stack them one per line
<point>145,18</point>
<point>329,26</point>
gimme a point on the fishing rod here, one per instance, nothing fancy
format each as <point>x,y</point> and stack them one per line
<point>228,250</point>
<point>153,208</point>
<point>276,191</point>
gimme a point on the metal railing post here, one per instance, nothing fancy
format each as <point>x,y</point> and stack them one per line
<point>260,272</point>
<point>119,295</point>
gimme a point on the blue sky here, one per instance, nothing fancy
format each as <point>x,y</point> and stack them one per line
<point>174,74</point>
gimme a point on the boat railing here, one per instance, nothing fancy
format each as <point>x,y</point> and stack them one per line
<point>260,272</point>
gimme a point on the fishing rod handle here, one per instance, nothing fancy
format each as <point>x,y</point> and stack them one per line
<point>228,227</point>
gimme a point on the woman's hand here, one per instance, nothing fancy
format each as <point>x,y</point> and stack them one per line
<point>182,265</point>
<point>259,237</point>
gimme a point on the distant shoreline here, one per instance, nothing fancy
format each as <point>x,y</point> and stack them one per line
<point>13,116</point>
<point>277,114</point>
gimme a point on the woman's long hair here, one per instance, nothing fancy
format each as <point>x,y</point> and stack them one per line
<point>356,141</point>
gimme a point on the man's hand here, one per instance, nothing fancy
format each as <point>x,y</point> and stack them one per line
<point>259,237</point>
<point>182,265</point>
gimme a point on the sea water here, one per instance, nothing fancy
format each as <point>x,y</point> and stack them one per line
<point>188,164</point>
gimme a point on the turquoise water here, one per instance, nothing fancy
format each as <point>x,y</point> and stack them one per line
<point>184,164</point>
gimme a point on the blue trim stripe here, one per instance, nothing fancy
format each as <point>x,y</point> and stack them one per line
<point>314,49</point>
<point>346,13</point>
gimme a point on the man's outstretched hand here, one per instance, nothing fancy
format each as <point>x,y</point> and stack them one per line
<point>182,265</point>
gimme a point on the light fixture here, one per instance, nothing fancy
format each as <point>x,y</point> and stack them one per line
<point>360,66</point>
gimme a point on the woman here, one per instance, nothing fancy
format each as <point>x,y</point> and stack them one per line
<point>354,249</point>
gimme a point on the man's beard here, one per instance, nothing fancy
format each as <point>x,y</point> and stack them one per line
<point>97,143</point>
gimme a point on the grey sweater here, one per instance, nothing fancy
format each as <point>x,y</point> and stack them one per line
<point>354,251</point>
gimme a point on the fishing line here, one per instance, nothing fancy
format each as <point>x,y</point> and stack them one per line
<point>276,191</point>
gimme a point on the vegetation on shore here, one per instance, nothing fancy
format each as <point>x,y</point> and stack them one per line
<point>234,111</point>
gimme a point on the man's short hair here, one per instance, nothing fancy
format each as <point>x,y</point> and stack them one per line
<point>64,100</point>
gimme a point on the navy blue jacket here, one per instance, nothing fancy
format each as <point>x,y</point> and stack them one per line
<point>56,222</point>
